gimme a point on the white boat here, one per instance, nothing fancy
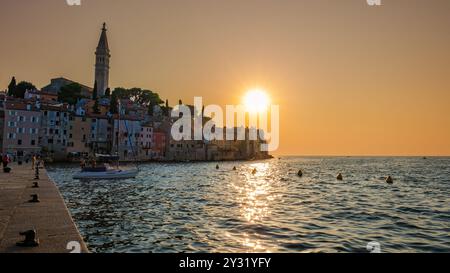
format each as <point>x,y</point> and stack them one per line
<point>106,174</point>
<point>105,171</point>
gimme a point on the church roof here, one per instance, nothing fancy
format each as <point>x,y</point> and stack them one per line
<point>103,42</point>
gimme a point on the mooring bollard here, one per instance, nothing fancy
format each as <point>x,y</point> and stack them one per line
<point>36,177</point>
<point>34,198</point>
<point>31,239</point>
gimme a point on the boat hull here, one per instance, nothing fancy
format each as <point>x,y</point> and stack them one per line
<point>109,174</point>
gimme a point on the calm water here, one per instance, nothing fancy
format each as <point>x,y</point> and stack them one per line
<point>195,208</point>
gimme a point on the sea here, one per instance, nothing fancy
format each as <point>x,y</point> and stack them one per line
<point>265,206</point>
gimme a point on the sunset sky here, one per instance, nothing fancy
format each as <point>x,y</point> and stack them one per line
<point>350,79</point>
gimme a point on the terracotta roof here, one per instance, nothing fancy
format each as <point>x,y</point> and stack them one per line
<point>21,106</point>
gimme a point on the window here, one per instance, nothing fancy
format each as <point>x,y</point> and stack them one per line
<point>12,113</point>
<point>58,114</point>
<point>33,142</point>
<point>11,136</point>
<point>70,136</point>
<point>33,131</point>
<point>20,130</point>
<point>56,132</point>
<point>19,142</point>
<point>45,113</point>
<point>11,124</point>
<point>50,141</point>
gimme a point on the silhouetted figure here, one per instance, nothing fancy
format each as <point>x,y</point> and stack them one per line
<point>340,177</point>
<point>389,180</point>
<point>254,171</point>
<point>234,168</point>
<point>217,167</point>
<point>300,173</point>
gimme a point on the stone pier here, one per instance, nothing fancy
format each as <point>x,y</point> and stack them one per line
<point>50,217</point>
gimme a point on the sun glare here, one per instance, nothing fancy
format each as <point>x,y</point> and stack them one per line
<point>256,100</point>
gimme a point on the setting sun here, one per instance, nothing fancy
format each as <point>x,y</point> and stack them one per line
<point>256,100</point>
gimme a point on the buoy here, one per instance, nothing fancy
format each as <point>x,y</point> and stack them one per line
<point>389,180</point>
<point>217,167</point>
<point>254,171</point>
<point>234,168</point>
<point>340,177</point>
<point>300,173</point>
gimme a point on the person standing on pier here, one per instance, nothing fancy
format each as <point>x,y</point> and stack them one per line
<point>33,162</point>
<point>5,160</point>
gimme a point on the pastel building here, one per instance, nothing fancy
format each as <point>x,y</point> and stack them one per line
<point>79,131</point>
<point>20,128</point>
<point>54,133</point>
<point>146,142</point>
<point>100,136</point>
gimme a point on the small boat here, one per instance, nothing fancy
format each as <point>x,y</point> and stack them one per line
<point>105,172</point>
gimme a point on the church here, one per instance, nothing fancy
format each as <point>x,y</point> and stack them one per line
<point>102,57</point>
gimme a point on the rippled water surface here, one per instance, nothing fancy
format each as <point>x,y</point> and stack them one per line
<point>196,208</point>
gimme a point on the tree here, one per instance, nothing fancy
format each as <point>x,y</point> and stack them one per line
<point>113,105</point>
<point>70,94</point>
<point>95,92</point>
<point>138,95</point>
<point>96,107</point>
<point>12,87</point>
<point>22,87</point>
<point>108,93</point>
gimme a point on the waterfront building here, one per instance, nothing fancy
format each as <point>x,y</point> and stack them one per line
<point>79,131</point>
<point>20,128</point>
<point>146,142</point>
<point>159,144</point>
<point>100,137</point>
<point>54,132</point>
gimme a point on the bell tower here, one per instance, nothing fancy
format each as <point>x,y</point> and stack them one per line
<point>102,56</point>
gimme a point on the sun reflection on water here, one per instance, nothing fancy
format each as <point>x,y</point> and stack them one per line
<point>255,195</point>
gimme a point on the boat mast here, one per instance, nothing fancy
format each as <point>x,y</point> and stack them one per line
<point>118,132</point>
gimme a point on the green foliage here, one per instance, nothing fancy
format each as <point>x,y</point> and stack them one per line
<point>18,90</point>
<point>96,107</point>
<point>12,87</point>
<point>22,87</point>
<point>140,96</point>
<point>113,104</point>
<point>107,93</point>
<point>70,94</point>
<point>95,92</point>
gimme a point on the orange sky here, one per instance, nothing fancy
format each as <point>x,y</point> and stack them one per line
<point>350,79</point>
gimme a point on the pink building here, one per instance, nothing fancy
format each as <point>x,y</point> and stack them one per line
<point>21,124</point>
<point>159,144</point>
